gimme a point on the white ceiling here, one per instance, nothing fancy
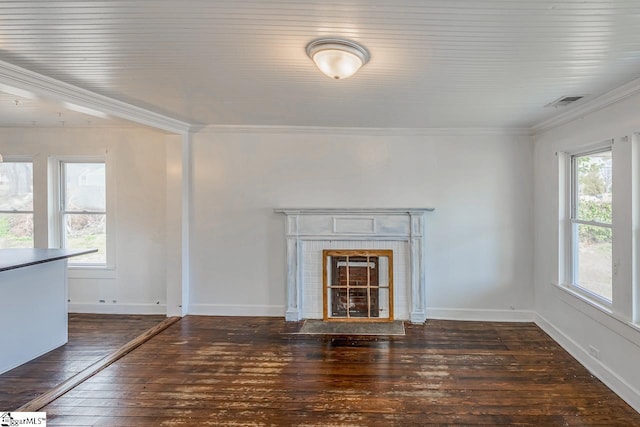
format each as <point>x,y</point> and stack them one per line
<point>434,64</point>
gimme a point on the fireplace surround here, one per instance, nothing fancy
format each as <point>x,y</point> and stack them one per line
<point>309,231</point>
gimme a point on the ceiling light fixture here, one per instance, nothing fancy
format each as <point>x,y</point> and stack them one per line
<point>337,58</point>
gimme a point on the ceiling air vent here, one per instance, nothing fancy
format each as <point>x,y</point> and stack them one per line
<point>564,101</point>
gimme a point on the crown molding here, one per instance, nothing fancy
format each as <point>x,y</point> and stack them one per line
<point>327,130</point>
<point>57,91</point>
<point>596,104</point>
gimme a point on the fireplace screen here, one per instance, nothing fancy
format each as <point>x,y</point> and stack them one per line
<point>358,284</point>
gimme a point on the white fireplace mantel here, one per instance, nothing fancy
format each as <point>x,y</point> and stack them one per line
<point>361,224</point>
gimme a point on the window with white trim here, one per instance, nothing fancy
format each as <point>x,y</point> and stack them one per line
<point>83,210</point>
<point>16,204</point>
<point>592,223</point>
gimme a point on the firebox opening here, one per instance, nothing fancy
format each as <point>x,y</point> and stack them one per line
<point>358,285</point>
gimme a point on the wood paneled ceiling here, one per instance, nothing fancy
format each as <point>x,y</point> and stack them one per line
<point>434,64</point>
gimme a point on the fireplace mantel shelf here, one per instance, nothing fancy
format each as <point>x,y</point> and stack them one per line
<point>350,211</point>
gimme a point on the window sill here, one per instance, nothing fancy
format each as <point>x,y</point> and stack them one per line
<point>591,299</point>
<point>601,313</point>
<point>79,272</point>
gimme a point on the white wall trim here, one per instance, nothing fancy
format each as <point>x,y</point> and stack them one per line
<point>363,131</point>
<point>44,87</point>
<point>481,315</point>
<point>185,225</point>
<point>94,308</point>
<point>591,106</point>
<point>617,384</point>
<point>236,310</point>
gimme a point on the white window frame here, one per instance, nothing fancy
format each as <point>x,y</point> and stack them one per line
<point>56,215</point>
<point>567,264</point>
<point>635,228</point>
<point>24,159</point>
<point>575,222</point>
<point>623,314</point>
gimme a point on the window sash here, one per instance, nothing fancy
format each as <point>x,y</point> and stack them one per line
<point>12,211</point>
<point>17,237</point>
<point>64,212</point>
<point>575,224</point>
<point>21,213</point>
<point>80,261</point>
<point>584,288</point>
<point>574,187</point>
<point>63,185</point>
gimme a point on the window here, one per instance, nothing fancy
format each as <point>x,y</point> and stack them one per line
<point>591,223</point>
<point>83,210</point>
<point>16,204</point>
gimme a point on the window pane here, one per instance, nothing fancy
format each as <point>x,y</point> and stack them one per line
<point>358,303</point>
<point>85,187</point>
<point>16,231</point>
<point>358,271</point>
<point>337,301</point>
<point>593,187</point>
<point>593,260</point>
<point>16,186</point>
<point>384,298</point>
<point>383,271</point>
<point>86,231</point>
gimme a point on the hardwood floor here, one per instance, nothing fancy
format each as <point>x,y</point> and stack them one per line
<point>249,371</point>
<point>91,337</point>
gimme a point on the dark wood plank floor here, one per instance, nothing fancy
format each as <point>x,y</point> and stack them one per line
<point>208,371</point>
<point>91,337</point>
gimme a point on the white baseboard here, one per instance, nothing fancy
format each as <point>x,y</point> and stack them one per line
<point>444,314</point>
<point>117,308</point>
<point>483,315</point>
<point>596,367</point>
<point>236,310</point>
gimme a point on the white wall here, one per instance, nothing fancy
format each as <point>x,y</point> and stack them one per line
<point>487,257</point>
<point>479,239</point>
<point>139,285</point>
<point>572,322</point>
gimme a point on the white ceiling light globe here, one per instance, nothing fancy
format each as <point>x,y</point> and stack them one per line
<point>337,58</point>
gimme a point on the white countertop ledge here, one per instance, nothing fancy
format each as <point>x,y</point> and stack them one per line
<point>11,259</point>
